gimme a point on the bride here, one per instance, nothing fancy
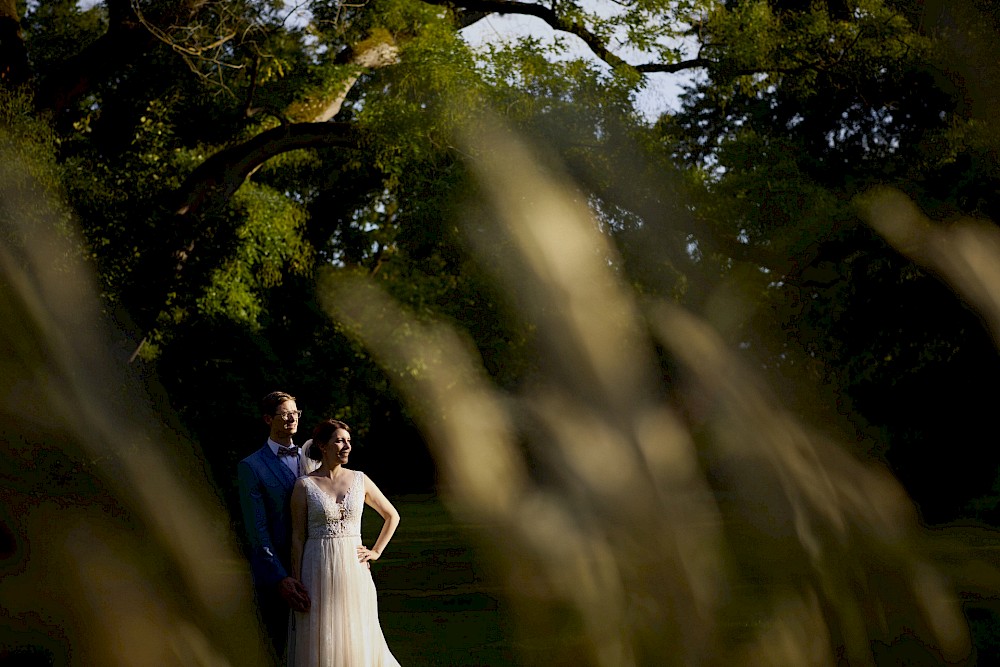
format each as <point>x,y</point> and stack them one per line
<point>341,628</point>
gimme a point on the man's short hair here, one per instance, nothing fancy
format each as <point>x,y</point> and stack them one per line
<point>269,404</point>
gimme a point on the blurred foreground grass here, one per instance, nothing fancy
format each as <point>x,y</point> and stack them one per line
<point>441,606</point>
<point>710,526</point>
<point>627,518</point>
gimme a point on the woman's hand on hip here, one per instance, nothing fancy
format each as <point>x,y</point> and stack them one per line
<point>365,554</point>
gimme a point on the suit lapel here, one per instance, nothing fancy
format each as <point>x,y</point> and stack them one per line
<point>277,468</point>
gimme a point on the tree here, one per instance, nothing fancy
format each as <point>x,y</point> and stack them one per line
<point>217,153</point>
<point>784,165</point>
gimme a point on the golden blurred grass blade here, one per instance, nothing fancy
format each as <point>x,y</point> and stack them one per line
<point>615,453</point>
<point>616,528</point>
<point>966,254</point>
<point>551,564</point>
<point>809,527</point>
<point>117,545</point>
<point>594,490</point>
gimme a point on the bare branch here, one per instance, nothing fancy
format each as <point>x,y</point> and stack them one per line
<point>546,14</point>
<point>473,10</point>
<point>193,53</point>
<point>470,11</point>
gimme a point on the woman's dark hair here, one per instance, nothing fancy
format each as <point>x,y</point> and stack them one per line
<point>322,434</point>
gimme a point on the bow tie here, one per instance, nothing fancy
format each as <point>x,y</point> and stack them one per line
<point>288,451</point>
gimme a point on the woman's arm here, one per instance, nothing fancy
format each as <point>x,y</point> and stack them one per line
<point>298,527</point>
<point>375,498</point>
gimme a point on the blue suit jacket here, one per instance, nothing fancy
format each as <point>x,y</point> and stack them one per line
<point>265,493</point>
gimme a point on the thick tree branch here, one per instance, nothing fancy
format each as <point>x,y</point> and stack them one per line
<point>371,54</point>
<point>672,68</point>
<point>553,19</point>
<point>467,18</point>
<point>469,11</point>
<point>222,174</point>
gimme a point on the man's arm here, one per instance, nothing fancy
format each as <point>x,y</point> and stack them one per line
<point>291,589</point>
<point>264,561</point>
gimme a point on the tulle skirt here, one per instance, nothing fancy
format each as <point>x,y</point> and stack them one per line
<point>341,628</point>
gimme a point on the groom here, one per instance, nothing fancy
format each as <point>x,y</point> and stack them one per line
<point>266,478</point>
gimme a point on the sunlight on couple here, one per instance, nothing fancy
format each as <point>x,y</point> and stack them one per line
<point>302,515</point>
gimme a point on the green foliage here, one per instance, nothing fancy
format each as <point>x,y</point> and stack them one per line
<point>806,50</point>
<point>269,245</point>
<point>843,103</point>
<point>34,192</point>
<point>117,198</point>
<point>424,100</point>
<point>29,140</point>
<point>741,205</point>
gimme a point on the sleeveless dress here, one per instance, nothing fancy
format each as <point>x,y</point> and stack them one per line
<point>341,628</point>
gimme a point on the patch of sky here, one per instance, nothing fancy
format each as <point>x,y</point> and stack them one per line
<point>298,14</point>
<point>296,196</point>
<point>612,218</point>
<point>874,129</point>
<point>692,248</point>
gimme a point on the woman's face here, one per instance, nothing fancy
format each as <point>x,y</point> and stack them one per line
<point>339,447</point>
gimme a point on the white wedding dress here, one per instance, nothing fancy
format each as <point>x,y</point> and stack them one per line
<point>341,628</point>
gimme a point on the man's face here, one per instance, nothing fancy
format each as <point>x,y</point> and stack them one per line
<point>284,422</point>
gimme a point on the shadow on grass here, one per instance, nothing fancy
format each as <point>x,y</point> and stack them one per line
<point>437,604</point>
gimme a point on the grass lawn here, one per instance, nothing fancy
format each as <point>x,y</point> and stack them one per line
<point>436,604</point>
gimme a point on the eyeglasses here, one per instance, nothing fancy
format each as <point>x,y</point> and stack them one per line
<point>288,416</point>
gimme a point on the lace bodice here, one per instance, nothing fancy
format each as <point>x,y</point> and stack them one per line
<point>325,517</point>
